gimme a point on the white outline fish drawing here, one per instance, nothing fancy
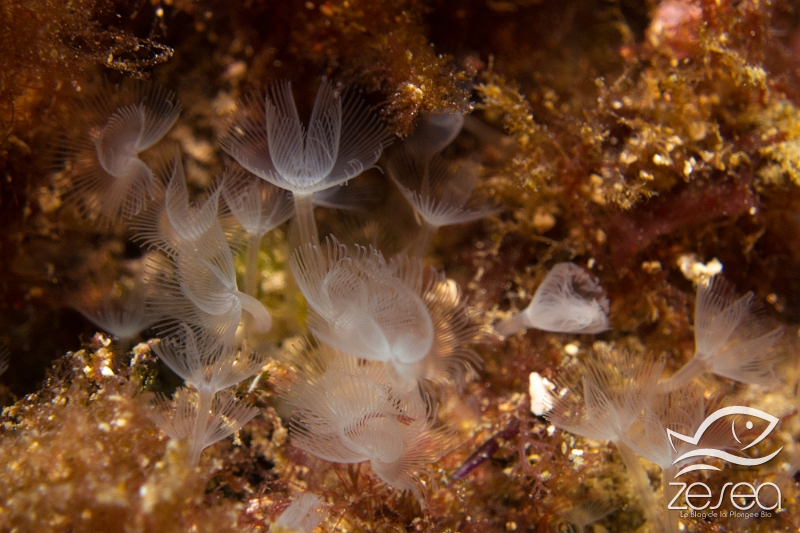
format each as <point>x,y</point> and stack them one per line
<point>725,456</point>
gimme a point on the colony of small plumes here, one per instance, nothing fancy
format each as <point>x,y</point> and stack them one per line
<point>392,337</point>
<point>389,337</point>
<point>391,340</point>
<point>622,397</point>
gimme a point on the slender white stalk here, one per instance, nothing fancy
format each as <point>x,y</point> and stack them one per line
<point>304,219</point>
<point>684,375</point>
<point>251,266</point>
<point>670,515</point>
<point>512,325</point>
<point>204,399</point>
<point>422,242</point>
<point>647,497</point>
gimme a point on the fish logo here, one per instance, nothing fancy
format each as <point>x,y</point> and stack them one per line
<point>725,456</point>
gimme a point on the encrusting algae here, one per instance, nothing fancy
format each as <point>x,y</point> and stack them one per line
<point>82,454</point>
<point>647,149</point>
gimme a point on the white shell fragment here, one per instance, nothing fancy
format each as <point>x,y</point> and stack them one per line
<point>540,390</point>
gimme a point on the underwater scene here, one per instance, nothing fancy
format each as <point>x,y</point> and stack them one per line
<point>383,266</point>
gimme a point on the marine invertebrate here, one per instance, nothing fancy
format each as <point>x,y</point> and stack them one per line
<point>346,412</point>
<point>343,139</point>
<point>201,288</point>
<point>210,367</point>
<point>175,221</point>
<point>196,276</point>
<point>433,133</point>
<point>681,411</point>
<point>367,298</point>
<point>486,450</point>
<point>605,402</point>
<point>440,191</point>
<point>733,339</point>
<point>107,174</point>
<point>569,300</point>
<point>188,415</point>
<point>382,310</point>
<point>121,311</point>
<point>91,430</point>
<point>586,513</point>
